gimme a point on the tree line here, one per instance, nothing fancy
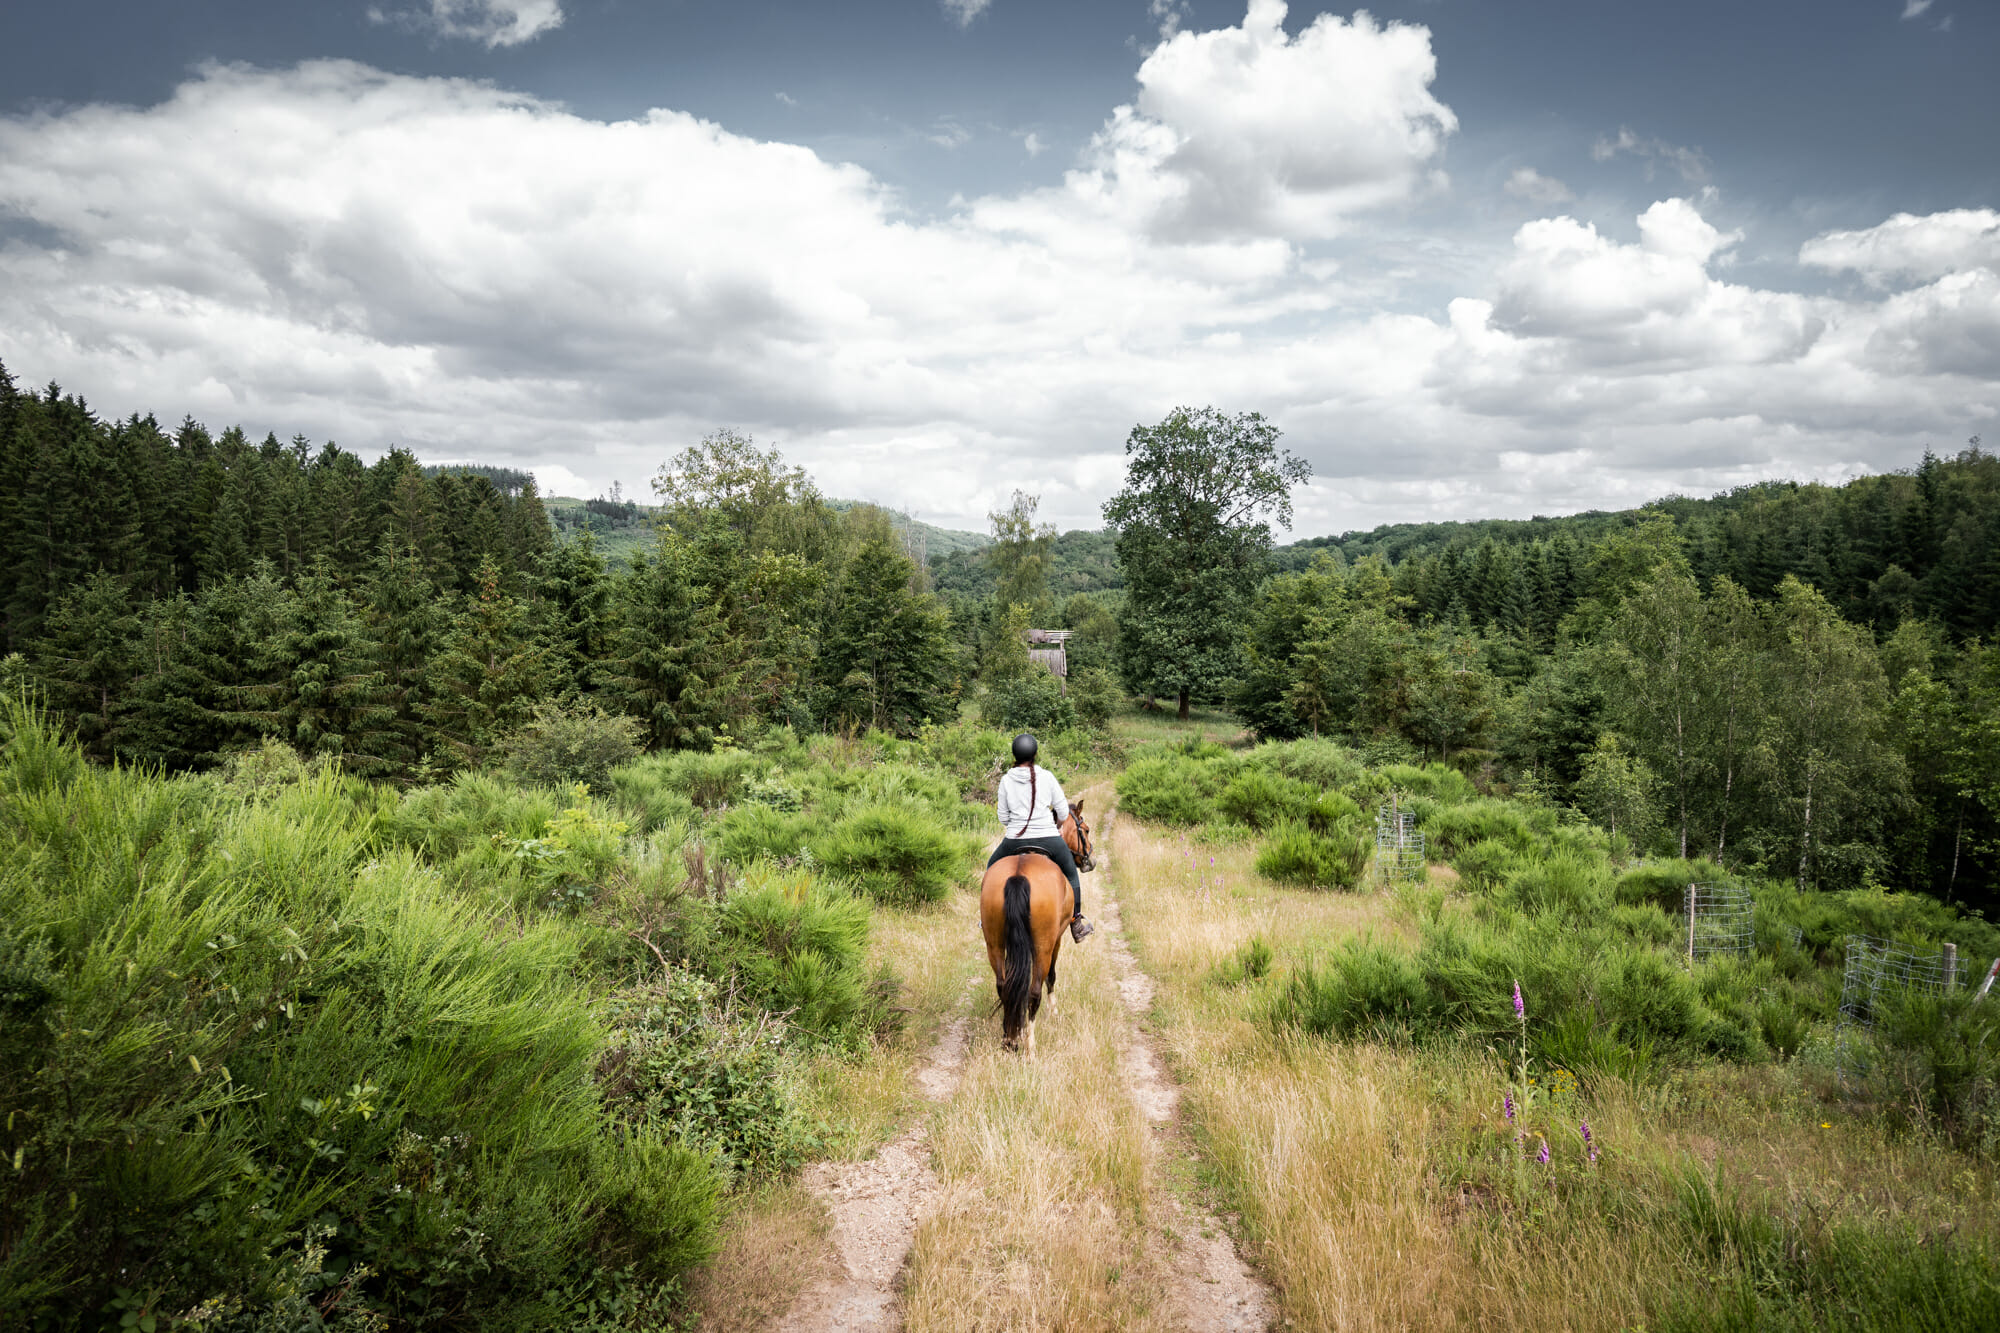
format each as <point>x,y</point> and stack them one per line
<point>177,596</point>
<point>1788,676</point>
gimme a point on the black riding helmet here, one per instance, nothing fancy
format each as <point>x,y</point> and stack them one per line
<point>1025,748</point>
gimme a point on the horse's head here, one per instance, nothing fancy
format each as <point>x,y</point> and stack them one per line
<point>1077,834</point>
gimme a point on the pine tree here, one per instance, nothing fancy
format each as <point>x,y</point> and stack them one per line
<point>489,673</point>
<point>327,696</point>
<point>661,650</point>
<point>85,658</point>
<point>889,664</point>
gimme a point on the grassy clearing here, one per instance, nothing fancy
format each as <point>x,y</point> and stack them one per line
<point>1379,1186</point>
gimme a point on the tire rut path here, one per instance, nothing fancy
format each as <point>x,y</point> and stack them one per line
<point>1210,1288</point>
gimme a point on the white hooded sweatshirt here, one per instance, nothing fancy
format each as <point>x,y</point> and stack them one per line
<point>1015,808</point>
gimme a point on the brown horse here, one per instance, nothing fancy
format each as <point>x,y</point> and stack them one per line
<point>1024,905</point>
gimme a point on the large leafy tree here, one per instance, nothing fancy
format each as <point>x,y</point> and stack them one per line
<point>1192,537</point>
<point>1020,555</point>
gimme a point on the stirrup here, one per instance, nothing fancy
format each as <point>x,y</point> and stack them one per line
<point>1079,926</point>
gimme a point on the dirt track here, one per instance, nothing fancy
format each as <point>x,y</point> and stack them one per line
<point>876,1205</point>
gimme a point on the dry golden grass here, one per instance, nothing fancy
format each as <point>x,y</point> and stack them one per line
<point>774,1246</point>
<point>935,952</point>
<point>1366,1175</point>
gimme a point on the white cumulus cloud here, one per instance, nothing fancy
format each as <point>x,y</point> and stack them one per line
<point>494,22</point>
<point>1915,8</point>
<point>471,272</point>
<point>1922,248</point>
<point>1248,130</point>
<point>1527,183</point>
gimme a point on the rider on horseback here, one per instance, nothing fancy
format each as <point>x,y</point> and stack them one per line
<point>1032,805</point>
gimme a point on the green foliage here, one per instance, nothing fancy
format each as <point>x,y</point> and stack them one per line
<point>1369,988</point>
<point>1165,791</point>
<point>1191,541</point>
<point>1769,1266</point>
<point>233,1020</point>
<point>1095,696</point>
<point>1294,854</point>
<point>562,746</point>
<point>896,854</point>
<point>1033,701</point>
<point>688,1069</point>
<point>756,831</point>
<point>798,945</point>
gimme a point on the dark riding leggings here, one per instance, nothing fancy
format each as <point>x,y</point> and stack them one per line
<point>1054,848</point>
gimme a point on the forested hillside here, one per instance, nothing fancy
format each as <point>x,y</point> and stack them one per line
<point>178,596</point>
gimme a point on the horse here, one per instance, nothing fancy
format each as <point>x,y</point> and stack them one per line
<point>1024,904</point>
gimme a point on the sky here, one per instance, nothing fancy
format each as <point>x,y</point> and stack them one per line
<point>1474,259</point>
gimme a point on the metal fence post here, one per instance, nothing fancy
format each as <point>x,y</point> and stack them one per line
<point>1690,923</point>
<point>1950,966</point>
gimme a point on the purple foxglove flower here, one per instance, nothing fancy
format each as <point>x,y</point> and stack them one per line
<point>1543,1155</point>
<point>1507,1098</point>
<point>1520,1009</point>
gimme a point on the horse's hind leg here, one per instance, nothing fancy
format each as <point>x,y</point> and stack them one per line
<point>1052,987</point>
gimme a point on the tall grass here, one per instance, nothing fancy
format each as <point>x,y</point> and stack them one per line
<point>249,1039</point>
<point>1382,1187</point>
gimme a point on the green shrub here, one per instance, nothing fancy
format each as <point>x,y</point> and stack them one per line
<point>708,780</point>
<point>564,745</point>
<point>1251,962</point>
<point>641,791</point>
<point>1330,810</point>
<point>1322,763</point>
<point>1664,883</point>
<point>751,832</point>
<point>297,1051</point>
<point>466,813</point>
<point>1938,1062</point>
<point>798,946</point>
<point>897,855</point>
<point>1562,883</point>
<point>1163,791</point>
<point>1367,988</point>
<point>1486,864</point>
<point>1031,702</point>
<point>1095,696</point>
<point>1294,854</point>
<point>680,1063</point>
<point>1261,799</point>
<point>1454,828</point>
<point>1440,782</point>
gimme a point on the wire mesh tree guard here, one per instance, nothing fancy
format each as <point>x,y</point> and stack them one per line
<point>1721,919</point>
<point>1399,844</point>
<point>1878,970</point>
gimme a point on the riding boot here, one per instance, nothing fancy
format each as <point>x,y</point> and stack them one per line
<point>1079,926</point>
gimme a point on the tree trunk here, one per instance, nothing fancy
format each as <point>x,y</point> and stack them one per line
<point>1184,704</point>
<point>1957,838</point>
<point>1805,837</point>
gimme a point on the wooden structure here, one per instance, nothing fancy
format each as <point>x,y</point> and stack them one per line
<point>1045,650</point>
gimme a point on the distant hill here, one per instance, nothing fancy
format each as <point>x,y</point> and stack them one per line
<point>925,542</point>
<point>1079,561</point>
<point>622,528</point>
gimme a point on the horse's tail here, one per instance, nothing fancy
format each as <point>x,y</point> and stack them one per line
<point>1018,943</point>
